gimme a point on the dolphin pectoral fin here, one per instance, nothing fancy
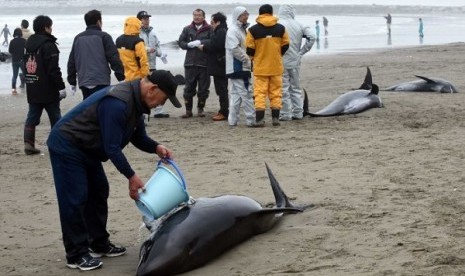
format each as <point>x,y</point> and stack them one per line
<point>287,210</point>
<point>428,80</point>
<point>367,83</point>
<point>374,89</point>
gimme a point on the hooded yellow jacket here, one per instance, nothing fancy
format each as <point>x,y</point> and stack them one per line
<point>266,43</point>
<point>131,49</point>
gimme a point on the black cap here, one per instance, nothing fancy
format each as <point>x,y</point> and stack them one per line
<point>142,14</point>
<point>166,81</point>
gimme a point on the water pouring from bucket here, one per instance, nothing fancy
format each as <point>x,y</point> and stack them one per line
<point>163,192</point>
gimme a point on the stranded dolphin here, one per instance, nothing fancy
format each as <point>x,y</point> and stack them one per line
<point>198,232</point>
<point>352,102</point>
<point>426,85</point>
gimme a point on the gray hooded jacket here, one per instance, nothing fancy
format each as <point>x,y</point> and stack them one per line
<point>297,32</point>
<point>237,61</point>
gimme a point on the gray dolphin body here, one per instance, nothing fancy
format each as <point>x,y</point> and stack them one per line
<point>353,102</point>
<point>201,231</point>
<point>425,85</point>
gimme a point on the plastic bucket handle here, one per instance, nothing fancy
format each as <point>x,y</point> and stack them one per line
<point>175,166</point>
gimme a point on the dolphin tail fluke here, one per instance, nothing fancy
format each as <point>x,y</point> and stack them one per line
<point>367,83</point>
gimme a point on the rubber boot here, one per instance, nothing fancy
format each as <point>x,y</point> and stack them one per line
<point>259,118</point>
<point>200,107</point>
<point>275,117</point>
<point>29,141</point>
<point>189,103</point>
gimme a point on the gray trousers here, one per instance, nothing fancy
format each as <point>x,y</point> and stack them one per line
<point>292,97</point>
<point>241,94</point>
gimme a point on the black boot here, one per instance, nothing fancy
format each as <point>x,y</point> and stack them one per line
<point>29,141</point>
<point>259,118</point>
<point>275,117</point>
<point>200,107</point>
<point>189,103</point>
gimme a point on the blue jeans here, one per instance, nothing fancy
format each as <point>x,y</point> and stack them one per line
<point>82,191</point>
<point>35,112</point>
<point>16,66</point>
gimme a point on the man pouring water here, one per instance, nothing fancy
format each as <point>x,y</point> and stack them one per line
<point>96,130</point>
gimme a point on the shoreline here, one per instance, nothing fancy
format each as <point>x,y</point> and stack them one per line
<point>386,183</point>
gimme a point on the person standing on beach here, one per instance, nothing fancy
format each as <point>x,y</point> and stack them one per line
<point>267,42</point>
<point>92,55</point>
<point>292,97</point>
<point>6,33</point>
<point>388,22</point>
<point>16,49</point>
<point>95,130</point>
<point>132,51</point>
<point>325,25</point>
<point>238,67</point>
<point>317,30</point>
<point>195,63</point>
<point>420,28</point>
<point>44,83</point>
<point>24,28</point>
<point>216,63</point>
<point>152,46</point>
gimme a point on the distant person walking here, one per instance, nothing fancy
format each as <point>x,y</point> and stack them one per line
<point>238,67</point>
<point>44,82</point>
<point>266,42</point>
<point>92,55</point>
<point>420,28</point>
<point>195,63</point>
<point>388,22</point>
<point>317,30</point>
<point>292,97</point>
<point>24,28</point>
<point>325,25</point>
<point>6,33</point>
<point>16,49</point>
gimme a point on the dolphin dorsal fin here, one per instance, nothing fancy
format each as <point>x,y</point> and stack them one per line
<point>367,83</point>
<point>428,80</point>
<point>281,198</point>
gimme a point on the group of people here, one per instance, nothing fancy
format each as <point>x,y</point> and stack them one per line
<point>388,18</point>
<point>110,116</point>
<point>227,53</point>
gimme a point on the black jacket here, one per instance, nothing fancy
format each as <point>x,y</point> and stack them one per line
<point>216,60</point>
<point>92,54</point>
<point>194,57</point>
<point>43,74</point>
<point>16,49</point>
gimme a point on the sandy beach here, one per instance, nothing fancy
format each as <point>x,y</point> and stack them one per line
<point>387,183</point>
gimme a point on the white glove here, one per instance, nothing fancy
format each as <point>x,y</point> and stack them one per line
<point>193,44</point>
<point>62,94</point>
<point>73,90</point>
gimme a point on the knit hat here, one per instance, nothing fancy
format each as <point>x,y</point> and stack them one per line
<point>167,83</point>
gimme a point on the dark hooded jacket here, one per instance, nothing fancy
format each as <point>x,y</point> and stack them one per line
<point>216,60</point>
<point>43,74</point>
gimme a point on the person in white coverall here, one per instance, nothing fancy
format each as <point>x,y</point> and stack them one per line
<point>238,67</point>
<point>292,96</point>
<point>152,45</point>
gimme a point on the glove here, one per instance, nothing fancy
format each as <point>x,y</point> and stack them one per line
<point>73,90</point>
<point>193,44</point>
<point>62,94</point>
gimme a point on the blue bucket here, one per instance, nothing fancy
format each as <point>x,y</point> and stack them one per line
<point>163,192</point>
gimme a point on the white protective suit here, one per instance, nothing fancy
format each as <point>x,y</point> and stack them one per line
<point>238,71</point>
<point>292,98</point>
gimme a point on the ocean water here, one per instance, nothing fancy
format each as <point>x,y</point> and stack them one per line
<point>346,33</point>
